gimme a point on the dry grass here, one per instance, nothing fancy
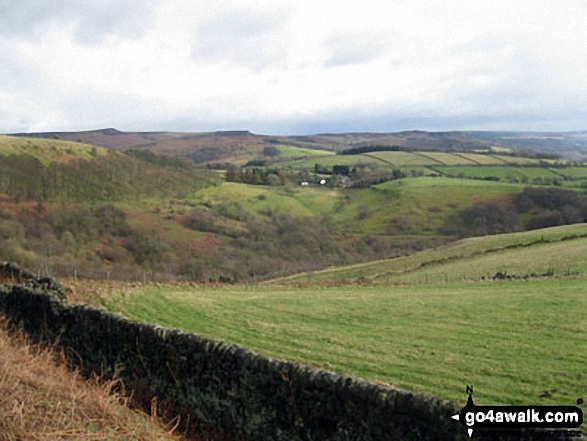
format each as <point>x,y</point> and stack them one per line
<point>40,399</point>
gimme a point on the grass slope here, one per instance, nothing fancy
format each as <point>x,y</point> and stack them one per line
<point>501,172</point>
<point>257,199</point>
<point>408,206</point>
<point>48,150</point>
<point>517,342</point>
<point>290,151</point>
<point>332,160</point>
<point>473,258</point>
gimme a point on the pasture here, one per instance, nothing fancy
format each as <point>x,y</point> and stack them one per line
<point>482,159</point>
<point>521,160</point>
<point>506,173</point>
<point>403,159</point>
<point>517,342</point>
<point>258,199</point>
<point>573,172</point>
<point>290,151</point>
<point>332,160</point>
<point>471,259</point>
<point>446,158</point>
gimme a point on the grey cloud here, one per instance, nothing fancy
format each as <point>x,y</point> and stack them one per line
<point>94,19</point>
<point>239,36</point>
<point>354,48</point>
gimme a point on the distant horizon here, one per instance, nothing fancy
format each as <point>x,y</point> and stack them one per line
<point>246,131</point>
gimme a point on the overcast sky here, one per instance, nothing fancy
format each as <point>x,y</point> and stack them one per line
<point>293,66</point>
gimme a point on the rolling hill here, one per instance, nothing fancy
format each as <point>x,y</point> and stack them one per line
<point>518,342</point>
<point>241,146</point>
<point>48,150</point>
<point>563,251</point>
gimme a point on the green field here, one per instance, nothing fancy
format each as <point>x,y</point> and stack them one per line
<point>48,150</point>
<point>560,258</point>
<point>573,172</point>
<point>290,151</point>
<point>482,172</point>
<point>402,159</point>
<point>259,199</point>
<point>471,259</point>
<point>512,340</point>
<point>506,173</point>
<point>332,160</point>
<point>539,172</point>
<point>517,160</point>
<point>423,203</point>
<point>411,171</point>
<point>447,158</point>
<point>482,159</point>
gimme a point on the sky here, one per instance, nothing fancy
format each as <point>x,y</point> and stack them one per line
<point>293,67</point>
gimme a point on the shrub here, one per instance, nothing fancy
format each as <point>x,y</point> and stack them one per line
<point>201,220</point>
<point>481,220</point>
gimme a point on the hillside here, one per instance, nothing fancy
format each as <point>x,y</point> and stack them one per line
<point>241,146</point>
<point>73,209</point>
<point>518,342</point>
<point>48,150</point>
<point>55,170</point>
<point>563,250</point>
<point>41,400</point>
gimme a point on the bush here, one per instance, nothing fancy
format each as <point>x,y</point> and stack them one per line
<point>546,198</point>
<point>545,219</point>
<point>271,151</point>
<point>201,220</point>
<point>481,220</point>
<point>112,220</point>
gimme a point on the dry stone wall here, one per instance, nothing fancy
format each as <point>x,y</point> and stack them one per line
<point>235,389</point>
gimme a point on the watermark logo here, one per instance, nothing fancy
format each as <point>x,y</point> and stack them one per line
<point>518,417</point>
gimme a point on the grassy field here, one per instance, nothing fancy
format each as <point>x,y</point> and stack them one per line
<point>402,159</point>
<point>257,199</point>
<point>516,342</point>
<point>472,165</point>
<point>573,172</point>
<point>290,151</point>
<point>423,203</point>
<point>517,160</point>
<point>472,259</point>
<point>48,150</point>
<point>332,160</point>
<point>412,206</point>
<point>447,158</point>
<point>560,258</point>
<point>506,173</point>
<point>481,172</point>
<point>539,172</point>
<point>418,170</point>
<point>482,159</point>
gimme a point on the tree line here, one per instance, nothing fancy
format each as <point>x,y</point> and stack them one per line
<point>532,209</point>
<point>114,177</point>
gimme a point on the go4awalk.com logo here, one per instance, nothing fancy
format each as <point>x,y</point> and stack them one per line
<point>511,418</point>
